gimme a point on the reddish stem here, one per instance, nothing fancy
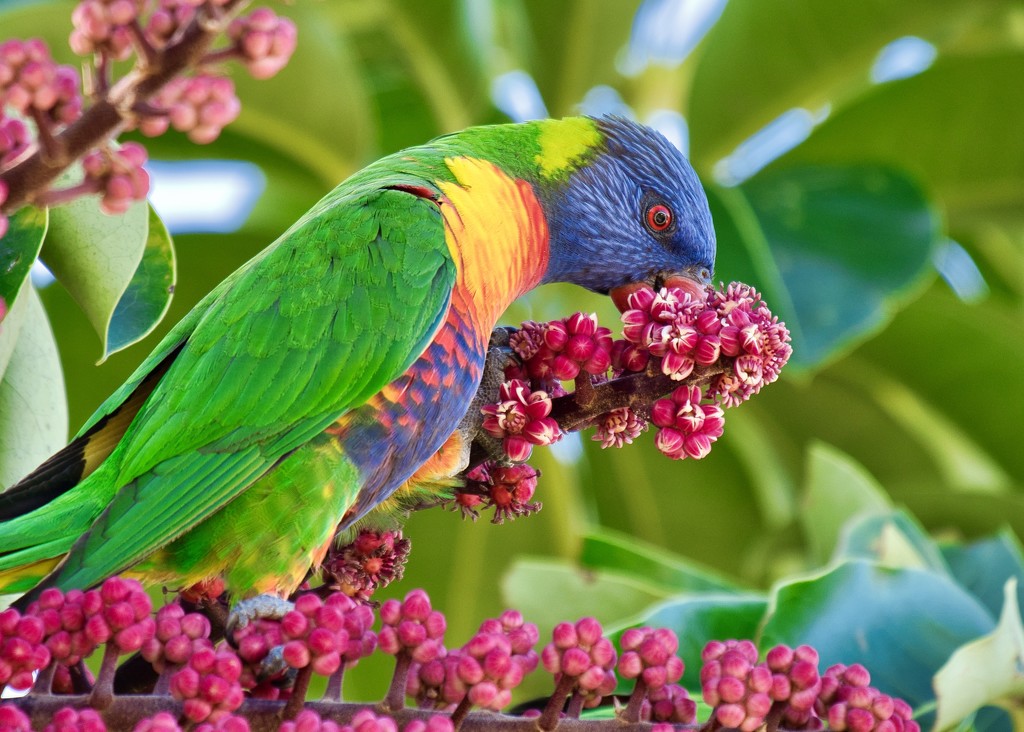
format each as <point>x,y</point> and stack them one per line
<point>631,713</point>
<point>102,695</point>
<point>298,697</point>
<point>395,698</point>
<point>548,719</point>
<point>575,707</point>
<point>334,684</point>
<point>461,711</point>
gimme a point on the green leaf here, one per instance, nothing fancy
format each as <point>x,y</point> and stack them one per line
<point>895,124</point>
<point>837,488</point>
<point>96,256</point>
<point>33,409</point>
<point>144,303</point>
<point>19,248</point>
<point>901,624</point>
<point>849,246</point>
<point>892,539</point>
<point>983,671</point>
<point>698,620</point>
<point>610,550</point>
<point>549,592</point>
<point>764,57</point>
<point>985,566</point>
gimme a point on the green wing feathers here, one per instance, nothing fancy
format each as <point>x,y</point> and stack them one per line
<point>313,326</point>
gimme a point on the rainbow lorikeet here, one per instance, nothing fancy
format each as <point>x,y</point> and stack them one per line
<point>332,369</point>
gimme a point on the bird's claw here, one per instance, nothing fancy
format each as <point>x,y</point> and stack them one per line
<point>266,607</point>
<point>273,666</point>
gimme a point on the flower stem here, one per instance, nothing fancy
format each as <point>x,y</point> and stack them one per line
<point>103,692</point>
<point>298,697</point>
<point>461,711</point>
<point>548,719</point>
<point>395,698</point>
<point>333,691</point>
<point>631,713</point>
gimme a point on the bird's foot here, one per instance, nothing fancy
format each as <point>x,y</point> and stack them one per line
<point>261,607</point>
<point>500,357</point>
<point>273,666</point>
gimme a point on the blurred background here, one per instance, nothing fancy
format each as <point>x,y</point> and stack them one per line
<point>865,166</point>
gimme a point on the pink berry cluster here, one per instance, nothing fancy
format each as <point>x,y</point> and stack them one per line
<point>177,636</point>
<point>315,633</point>
<point>795,682</point>
<point>70,719</point>
<point>22,650</point>
<point>735,684</point>
<point>123,618</point>
<point>264,40</point>
<point>412,627</point>
<point>580,652</point>
<point>364,720</point>
<point>13,719</point>
<point>104,26</point>
<point>847,702</point>
<point>494,661</point>
<point>372,560</point>
<point>506,489</point>
<point>687,428</point>
<point>649,654</point>
<point>14,140</point>
<point>34,85</point>
<point>159,722</point>
<point>669,704</point>
<point>619,427</point>
<point>63,617</point>
<point>560,349</point>
<point>521,419</point>
<point>118,176</point>
<point>200,106</point>
<point>209,684</point>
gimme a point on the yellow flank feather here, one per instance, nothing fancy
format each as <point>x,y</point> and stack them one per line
<point>564,144</point>
<point>497,235</point>
<point>21,579</point>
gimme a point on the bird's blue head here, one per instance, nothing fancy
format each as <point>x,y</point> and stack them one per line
<point>633,213</point>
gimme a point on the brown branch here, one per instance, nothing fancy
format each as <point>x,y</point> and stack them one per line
<point>108,115</point>
<point>635,390</point>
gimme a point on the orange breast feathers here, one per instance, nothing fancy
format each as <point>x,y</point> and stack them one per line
<point>497,235</point>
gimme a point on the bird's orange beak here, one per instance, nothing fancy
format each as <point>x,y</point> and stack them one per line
<point>697,290</point>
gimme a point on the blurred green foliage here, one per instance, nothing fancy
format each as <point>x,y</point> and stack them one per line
<point>897,384</point>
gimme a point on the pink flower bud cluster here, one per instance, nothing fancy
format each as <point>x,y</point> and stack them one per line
<point>264,40</point>
<point>754,338</point>
<point>35,86</point>
<point>508,489</point>
<point>561,349</point>
<point>209,684</point>
<point>687,427</point>
<point>735,684</point>
<point>795,682</point>
<point>847,702</point>
<point>227,723</point>
<point>670,325</point>
<point>14,140</point>
<point>22,650</point>
<point>364,720</point>
<point>63,618</point>
<point>581,651</point>
<point>650,655</point>
<point>200,106</point>
<point>521,419</point>
<point>314,633</point>
<point>495,660</point>
<point>159,722</point>
<point>619,427</point>
<point>670,703</point>
<point>69,719</point>
<point>13,719</point>
<point>123,617</point>
<point>103,26</point>
<point>412,627</point>
<point>118,175</point>
<point>373,560</point>
<point>178,635</point>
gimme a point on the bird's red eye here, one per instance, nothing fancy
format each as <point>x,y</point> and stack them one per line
<point>659,217</point>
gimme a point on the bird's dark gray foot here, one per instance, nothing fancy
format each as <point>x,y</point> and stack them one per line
<point>266,607</point>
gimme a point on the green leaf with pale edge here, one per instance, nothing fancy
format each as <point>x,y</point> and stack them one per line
<point>986,670</point>
<point>33,408</point>
<point>892,539</point>
<point>610,550</point>
<point>984,567</point>
<point>901,624</point>
<point>95,257</point>
<point>764,57</point>
<point>846,247</point>
<point>698,620</point>
<point>549,592</point>
<point>837,488</point>
<point>148,296</point>
<point>19,248</point>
